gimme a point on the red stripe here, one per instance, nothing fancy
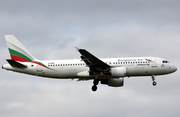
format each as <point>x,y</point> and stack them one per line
<point>17,58</point>
<point>20,59</point>
<point>40,64</point>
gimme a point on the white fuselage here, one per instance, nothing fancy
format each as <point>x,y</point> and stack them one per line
<point>70,69</point>
<point>109,71</point>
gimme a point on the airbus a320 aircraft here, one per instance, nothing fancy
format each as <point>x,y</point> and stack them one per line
<point>109,71</point>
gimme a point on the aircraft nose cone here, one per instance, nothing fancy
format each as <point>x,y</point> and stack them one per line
<point>174,68</point>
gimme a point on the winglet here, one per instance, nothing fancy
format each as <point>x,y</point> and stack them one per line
<point>77,48</point>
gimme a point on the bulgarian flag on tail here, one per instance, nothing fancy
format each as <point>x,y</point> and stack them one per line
<point>17,56</point>
<point>18,52</point>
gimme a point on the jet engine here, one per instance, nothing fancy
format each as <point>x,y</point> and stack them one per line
<point>118,72</point>
<point>113,82</point>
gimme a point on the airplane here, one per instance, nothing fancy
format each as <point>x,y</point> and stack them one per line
<point>108,71</point>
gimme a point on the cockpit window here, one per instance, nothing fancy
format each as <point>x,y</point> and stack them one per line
<point>165,61</point>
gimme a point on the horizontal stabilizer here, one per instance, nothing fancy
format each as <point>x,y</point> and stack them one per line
<point>16,64</point>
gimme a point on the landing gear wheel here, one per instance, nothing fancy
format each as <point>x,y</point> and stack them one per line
<point>153,79</point>
<point>94,88</point>
<point>154,83</point>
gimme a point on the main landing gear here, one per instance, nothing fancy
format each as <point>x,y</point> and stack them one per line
<point>95,82</point>
<point>153,79</point>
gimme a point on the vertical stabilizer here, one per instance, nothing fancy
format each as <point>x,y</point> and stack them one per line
<point>17,51</point>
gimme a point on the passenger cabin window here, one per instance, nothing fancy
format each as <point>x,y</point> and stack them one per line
<point>165,61</point>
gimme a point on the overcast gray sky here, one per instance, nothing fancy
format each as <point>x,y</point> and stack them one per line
<point>50,29</point>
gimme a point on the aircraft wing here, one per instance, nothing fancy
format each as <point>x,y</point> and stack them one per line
<point>95,64</point>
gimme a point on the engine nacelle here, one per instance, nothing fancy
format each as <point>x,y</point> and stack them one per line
<point>118,71</point>
<point>113,82</point>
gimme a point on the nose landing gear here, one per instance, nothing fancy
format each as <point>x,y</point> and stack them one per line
<point>153,79</point>
<point>95,82</point>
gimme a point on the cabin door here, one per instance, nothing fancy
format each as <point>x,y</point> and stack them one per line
<point>154,62</point>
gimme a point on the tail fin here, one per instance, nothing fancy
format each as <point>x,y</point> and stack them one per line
<point>17,51</point>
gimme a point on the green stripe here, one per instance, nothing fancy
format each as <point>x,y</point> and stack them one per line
<point>40,63</point>
<point>16,53</point>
